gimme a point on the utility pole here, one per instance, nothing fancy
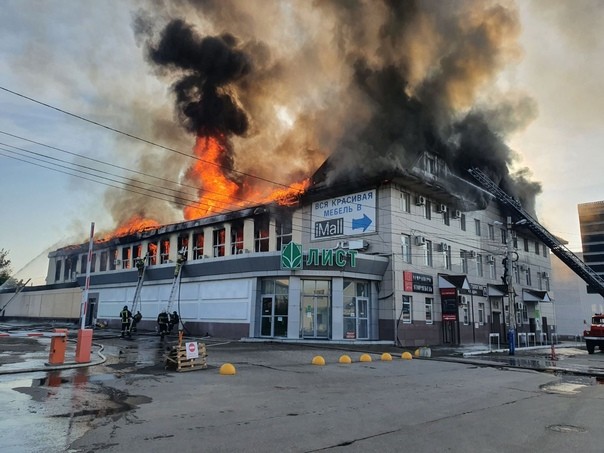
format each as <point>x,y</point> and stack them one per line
<point>510,283</point>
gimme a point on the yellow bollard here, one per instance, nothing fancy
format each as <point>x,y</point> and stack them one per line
<point>318,360</point>
<point>345,359</point>
<point>386,357</point>
<point>406,356</point>
<point>365,358</point>
<point>228,370</point>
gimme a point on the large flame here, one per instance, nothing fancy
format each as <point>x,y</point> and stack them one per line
<point>219,192</point>
<point>289,196</point>
<point>134,225</point>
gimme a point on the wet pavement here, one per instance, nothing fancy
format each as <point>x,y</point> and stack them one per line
<point>48,408</point>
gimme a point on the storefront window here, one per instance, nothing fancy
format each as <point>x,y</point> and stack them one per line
<point>407,309</point>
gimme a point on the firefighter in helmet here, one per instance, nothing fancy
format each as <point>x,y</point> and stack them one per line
<point>126,317</point>
<point>162,323</point>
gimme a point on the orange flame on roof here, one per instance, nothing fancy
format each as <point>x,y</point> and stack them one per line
<point>134,225</point>
<point>218,193</point>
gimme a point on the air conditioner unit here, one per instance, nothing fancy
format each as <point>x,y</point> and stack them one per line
<point>471,254</point>
<point>456,214</point>
<point>240,252</point>
<point>518,306</point>
<point>441,208</point>
<point>545,275</point>
<point>490,259</point>
<point>117,262</point>
<point>522,267</point>
<point>443,246</point>
<point>420,240</point>
<point>463,300</point>
<point>420,201</point>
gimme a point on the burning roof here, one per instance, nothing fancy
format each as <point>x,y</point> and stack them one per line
<point>270,91</point>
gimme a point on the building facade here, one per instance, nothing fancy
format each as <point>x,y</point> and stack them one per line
<point>400,260</point>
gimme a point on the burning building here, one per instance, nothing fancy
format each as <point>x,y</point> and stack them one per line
<point>377,110</point>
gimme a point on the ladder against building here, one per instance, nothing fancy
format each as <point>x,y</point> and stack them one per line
<point>141,266</point>
<point>595,281</point>
<point>177,277</point>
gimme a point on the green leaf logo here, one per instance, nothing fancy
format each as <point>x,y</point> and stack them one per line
<point>291,256</point>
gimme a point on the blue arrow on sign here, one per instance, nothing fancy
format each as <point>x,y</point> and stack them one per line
<point>361,223</point>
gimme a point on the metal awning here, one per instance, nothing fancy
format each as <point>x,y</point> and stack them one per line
<point>453,281</point>
<point>531,295</point>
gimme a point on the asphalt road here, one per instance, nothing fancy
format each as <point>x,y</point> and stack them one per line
<point>278,402</point>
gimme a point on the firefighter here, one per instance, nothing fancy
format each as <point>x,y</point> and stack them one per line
<point>126,317</point>
<point>140,265</point>
<point>174,318</point>
<point>181,258</point>
<point>162,322</point>
<point>135,320</point>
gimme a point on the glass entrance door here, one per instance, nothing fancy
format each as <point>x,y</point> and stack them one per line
<point>356,319</point>
<point>315,316</point>
<point>274,316</point>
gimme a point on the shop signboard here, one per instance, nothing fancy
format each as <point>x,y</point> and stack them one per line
<point>348,215</point>
<point>448,298</point>
<point>417,283</point>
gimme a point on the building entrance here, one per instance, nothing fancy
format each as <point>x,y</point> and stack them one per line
<point>356,319</point>
<point>315,309</point>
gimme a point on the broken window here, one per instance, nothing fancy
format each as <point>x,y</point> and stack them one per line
<point>284,232</point>
<point>152,253</point>
<point>103,263</point>
<point>236,238</point>
<point>183,244</point>
<point>261,232</point>
<point>58,270</point>
<point>219,241</point>
<point>113,259</point>
<point>198,246</point>
<point>126,257</point>
<point>164,252</point>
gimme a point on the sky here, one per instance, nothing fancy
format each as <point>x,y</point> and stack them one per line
<point>90,59</point>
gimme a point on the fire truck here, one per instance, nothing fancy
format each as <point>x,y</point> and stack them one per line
<point>595,335</point>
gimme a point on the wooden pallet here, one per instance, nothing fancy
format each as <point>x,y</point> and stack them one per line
<point>177,358</point>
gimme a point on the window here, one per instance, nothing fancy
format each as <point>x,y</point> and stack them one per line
<point>126,257</point>
<point>218,241</point>
<point>546,278</point>
<point>58,270</point>
<point>183,244</point>
<point>516,275</point>
<point>492,270</point>
<point>504,236</point>
<point>83,263</point>
<point>544,250</point>
<point>93,262</point>
<point>491,232</point>
<point>447,217</point>
<point>526,245</point>
<point>284,232</point>
<point>428,210</point>
<point>539,281</point>
<point>429,310</point>
<point>465,313</point>
<point>152,253</point>
<point>464,261</point>
<point>515,242</point>
<point>103,263</point>
<point>261,227</point>
<point>406,247</point>
<point>429,258</point>
<point>477,227</point>
<point>405,202</point>
<point>481,313</point>
<point>164,250</point>
<point>236,238</point>
<point>430,164</point>
<point>537,248</point>
<point>113,257</point>
<point>198,246</point>
<point>447,251</point>
<point>528,276</point>
<point>479,270</point>
<point>462,222</point>
<point>524,313</point>
<point>407,309</point>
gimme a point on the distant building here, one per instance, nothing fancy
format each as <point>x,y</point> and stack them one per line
<point>591,222</point>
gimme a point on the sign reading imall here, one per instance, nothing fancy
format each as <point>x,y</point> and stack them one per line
<point>344,216</point>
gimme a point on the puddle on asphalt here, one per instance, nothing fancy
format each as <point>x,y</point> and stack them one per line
<point>50,410</point>
<point>570,384</point>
